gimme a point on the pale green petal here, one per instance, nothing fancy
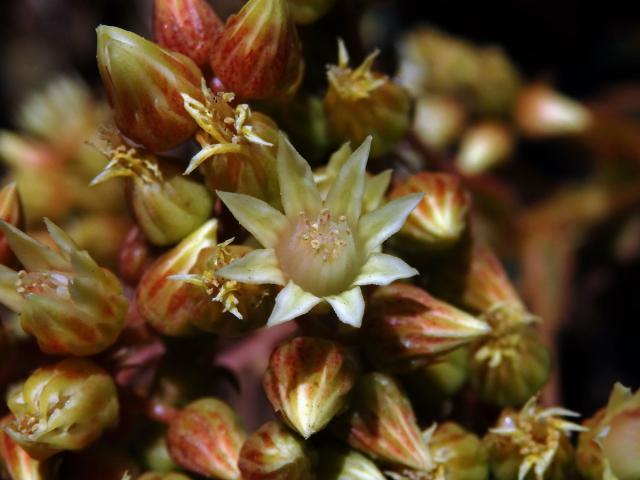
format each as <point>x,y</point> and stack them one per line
<point>349,306</point>
<point>31,253</point>
<point>257,267</point>
<point>345,195</point>
<point>339,158</point>
<point>261,220</point>
<point>297,187</point>
<point>375,227</point>
<point>374,190</point>
<point>80,260</point>
<point>291,302</point>
<point>382,269</point>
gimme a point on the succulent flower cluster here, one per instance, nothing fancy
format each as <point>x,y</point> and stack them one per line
<point>254,315</point>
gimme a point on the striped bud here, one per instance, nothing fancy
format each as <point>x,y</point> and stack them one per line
<point>406,327</point>
<point>276,453</point>
<point>307,382</point>
<point>17,462</point>
<point>205,438</point>
<point>458,454</point>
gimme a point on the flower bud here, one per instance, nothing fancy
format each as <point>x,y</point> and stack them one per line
<point>438,121</point>
<point>144,83</point>
<point>171,306</point>
<point>205,438</point>
<point>308,11</point>
<point>406,327</point>
<point>258,54</point>
<point>347,465</point>
<point>458,454</point>
<point>65,406</point>
<point>167,206</point>
<point>533,442</point>
<point>440,218</point>
<point>273,452</point>
<point>509,366</point>
<point>483,147</point>
<point>610,448</point>
<point>134,256</point>
<point>381,424</point>
<point>360,102</point>
<point>307,382</point>
<point>70,304</point>
<point>162,476</point>
<point>155,455</point>
<point>18,463</point>
<point>10,212</point>
<point>542,112</point>
<point>189,27</point>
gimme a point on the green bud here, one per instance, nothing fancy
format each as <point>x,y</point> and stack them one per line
<point>347,465</point>
<point>484,146</point>
<point>308,381</point>
<point>205,438</point>
<point>458,454</point>
<point>273,452</point>
<point>144,83</point>
<point>70,304</point>
<point>381,423</point>
<point>65,406</point>
<point>406,327</point>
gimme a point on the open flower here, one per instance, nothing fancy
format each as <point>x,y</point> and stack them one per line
<point>320,250</point>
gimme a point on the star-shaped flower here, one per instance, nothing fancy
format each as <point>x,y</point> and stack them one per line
<point>319,250</point>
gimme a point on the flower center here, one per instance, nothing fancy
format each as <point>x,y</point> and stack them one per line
<point>54,284</point>
<point>319,254</point>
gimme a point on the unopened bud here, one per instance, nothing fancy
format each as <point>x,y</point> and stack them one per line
<point>440,219</point>
<point>10,212</point>
<point>187,26</point>
<point>347,465</point>
<point>144,83</point>
<point>458,454</point>
<point>70,304</point>
<point>65,406</point>
<point>205,438</point>
<point>438,121</point>
<point>542,112</point>
<point>274,452</point>
<point>361,102</point>
<point>483,147</point>
<point>307,382</point>
<point>381,423</point>
<point>406,327</point>
<point>258,54</point>
<point>134,255</point>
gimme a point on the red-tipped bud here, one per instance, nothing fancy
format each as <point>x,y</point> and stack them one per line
<point>189,27</point>
<point>381,424</point>
<point>258,54</point>
<point>275,453</point>
<point>406,327</point>
<point>144,83</point>
<point>206,438</point>
<point>10,212</point>
<point>440,218</point>
<point>307,382</point>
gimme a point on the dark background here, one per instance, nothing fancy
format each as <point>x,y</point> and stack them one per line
<point>585,48</point>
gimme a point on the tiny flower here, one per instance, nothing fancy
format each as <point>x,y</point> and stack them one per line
<point>170,306</point>
<point>509,365</point>
<point>406,327</point>
<point>167,206</point>
<point>361,102</point>
<point>308,11</point>
<point>10,212</point>
<point>144,83</point>
<point>347,465</point>
<point>543,112</point>
<point>484,146</point>
<point>319,250</point>
<point>274,452</point>
<point>532,443</point>
<point>307,382</point>
<point>70,304</point>
<point>205,438</point>
<point>258,54</point>
<point>457,454</point>
<point>239,143</point>
<point>65,406</point>
<point>381,424</point>
<point>189,27</point>
<point>18,463</point>
<point>610,447</point>
<point>440,219</point>
<point>438,121</point>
